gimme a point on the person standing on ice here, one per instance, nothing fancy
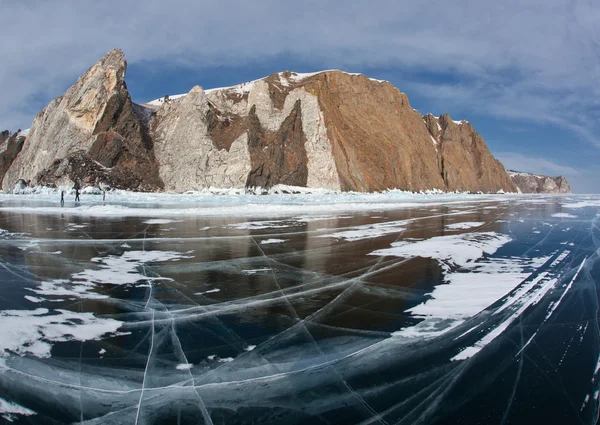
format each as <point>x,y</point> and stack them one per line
<point>76,187</point>
<point>62,197</point>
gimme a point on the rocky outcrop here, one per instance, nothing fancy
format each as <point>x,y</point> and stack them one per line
<point>10,147</point>
<point>94,119</point>
<point>535,183</point>
<point>465,161</point>
<point>377,140</point>
<point>4,135</point>
<point>330,130</point>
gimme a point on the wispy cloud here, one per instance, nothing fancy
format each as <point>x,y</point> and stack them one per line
<point>526,59</point>
<point>519,162</point>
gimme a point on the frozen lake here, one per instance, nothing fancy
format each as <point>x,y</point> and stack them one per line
<point>299,309</point>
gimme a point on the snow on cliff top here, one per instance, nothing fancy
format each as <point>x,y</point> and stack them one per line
<point>520,173</point>
<point>160,101</point>
<point>244,88</point>
<point>454,121</point>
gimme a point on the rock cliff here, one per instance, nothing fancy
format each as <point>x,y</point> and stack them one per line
<point>4,135</point>
<point>10,147</point>
<point>330,130</point>
<point>533,183</point>
<point>94,122</point>
<point>465,161</point>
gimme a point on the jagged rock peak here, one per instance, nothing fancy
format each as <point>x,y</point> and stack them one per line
<point>94,118</point>
<point>4,135</point>
<point>114,59</point>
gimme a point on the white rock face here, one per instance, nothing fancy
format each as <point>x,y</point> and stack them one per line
<point>533,183</point>
<point>322,172</point>
<point>66,125</point>
<point>189,159</point>
<point>187,156</point>
<point>550,186</point>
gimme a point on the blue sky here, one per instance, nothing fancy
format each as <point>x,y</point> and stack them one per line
<point>525,73</point>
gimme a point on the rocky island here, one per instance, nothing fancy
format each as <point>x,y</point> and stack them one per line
<point>329,129</point>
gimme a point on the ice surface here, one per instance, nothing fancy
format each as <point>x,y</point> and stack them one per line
<point>205,204</point>
<point>477,284</point>
<point>105,320</point>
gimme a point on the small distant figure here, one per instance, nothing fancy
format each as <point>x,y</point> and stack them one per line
<point>62,198</point>
<point>77,194</point>
<point>104,195</point>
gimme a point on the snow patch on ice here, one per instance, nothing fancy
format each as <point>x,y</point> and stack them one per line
<point>210,291</point>
<point>34,299</point>
<point>369,231</point>
<point>564,215</point>
<point>527,295</point>
<point>184,366</point>
<point>464,225</point>
<point>32,331</point>
<point>258,225</point>
<point>161,221</point>
<point>254,271</point>
<point>272,241</point>
<point>449,250</point>
<point>544,284</point>
<point>113,270</point>
<point>8,410</point>
<point>474,286</point>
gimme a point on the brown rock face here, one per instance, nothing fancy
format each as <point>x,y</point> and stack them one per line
<point>9,149</point>
<point>277,157</point>
<point>224,129</point>
<point>466,163</point>
<point>80,168</point>
<point>379,142</point>
<point>534,183</point>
